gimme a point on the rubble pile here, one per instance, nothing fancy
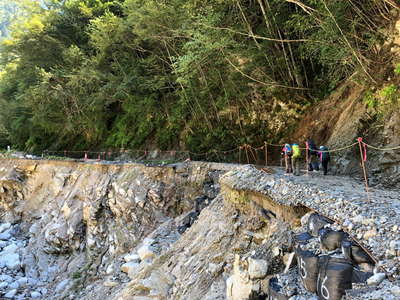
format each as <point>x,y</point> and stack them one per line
<point>14,282</point>
<point>374,219</point>
<point>355,239</point>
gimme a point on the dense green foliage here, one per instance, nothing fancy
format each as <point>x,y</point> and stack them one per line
<point>81,74</point>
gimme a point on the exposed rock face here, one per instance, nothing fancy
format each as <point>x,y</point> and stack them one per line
<point>81,231</point>
<point>82,218</point>
<point>11,193</point>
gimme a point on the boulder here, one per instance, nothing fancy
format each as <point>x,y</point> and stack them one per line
<point>130,268</point>
<point>10,260</point>
<point>6,278</point>
<point>5,236</point>
<point>14,285</point>
<point>258,268</point>
<point>35,295</point>
<point>395,291</point>
<point>146,252</point>
<point>239,286</point>
<point>132,257</point>
<point>62,285</point>
<point>10,294</point>
<point>110,283</point>
<point>4,227</point>
<point>376,279</point>
<point>23,281</point>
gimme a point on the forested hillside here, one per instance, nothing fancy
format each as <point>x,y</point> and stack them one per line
<point>188,74</point>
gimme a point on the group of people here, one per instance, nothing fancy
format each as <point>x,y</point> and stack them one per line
<point>292,156</point>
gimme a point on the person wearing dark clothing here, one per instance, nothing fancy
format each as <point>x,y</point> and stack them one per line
<point>312,155</point>
<point>325,158</point>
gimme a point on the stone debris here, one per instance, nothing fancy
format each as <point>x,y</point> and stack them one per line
<point>292,286</point>
<point>375,222</point>
<point>257,268</point>
<point>13,281</point>
<point>386,291</point>
<point>376,279</point>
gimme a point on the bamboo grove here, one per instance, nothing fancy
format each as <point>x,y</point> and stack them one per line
<point>178,74</point>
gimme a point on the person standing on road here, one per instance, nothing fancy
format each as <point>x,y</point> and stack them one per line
<point>287,150</point>
<point>325,158</point>
<point>312,155</point>
<point>296,159</point>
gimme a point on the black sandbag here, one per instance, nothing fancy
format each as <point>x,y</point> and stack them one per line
<point>307,263</point>
<point>331,239</point>
<point>302,238</point>
<point>360,276</point>
<point>334,277</point>
<point>274,290</point>
<point>315,223</point>
<point>353,252</point>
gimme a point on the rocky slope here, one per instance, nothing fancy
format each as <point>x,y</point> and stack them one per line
<point>186,231</point>
<point>357,109</point>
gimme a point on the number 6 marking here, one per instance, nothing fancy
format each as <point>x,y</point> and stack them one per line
<point>324,289</point>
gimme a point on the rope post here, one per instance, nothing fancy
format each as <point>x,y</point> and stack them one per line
<point>254,153</point>
<point>363,155</point>
<point>247,154</point>
<point>307,158</point>
<point>188,155</point>
<point>266,153</point>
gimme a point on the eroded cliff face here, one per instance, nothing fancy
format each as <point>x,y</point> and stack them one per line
<point>80,219</point>
<point>186,231</point>
<point>91,231</point>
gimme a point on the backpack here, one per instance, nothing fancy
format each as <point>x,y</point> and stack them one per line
<point>311,147</point>
<point>287,149</point>
<point>325,155</point>
<point>296,151</point>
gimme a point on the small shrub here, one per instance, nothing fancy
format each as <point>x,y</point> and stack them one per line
<point>397,69</point>
<point>370,100</point>
<point>389,95</point>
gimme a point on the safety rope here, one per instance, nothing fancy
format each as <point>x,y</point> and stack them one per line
<point>382,149</point>
<point>332,150</point>
<point>221,155</point>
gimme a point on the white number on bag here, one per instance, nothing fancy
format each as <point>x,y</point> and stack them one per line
<point>324,289</point>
